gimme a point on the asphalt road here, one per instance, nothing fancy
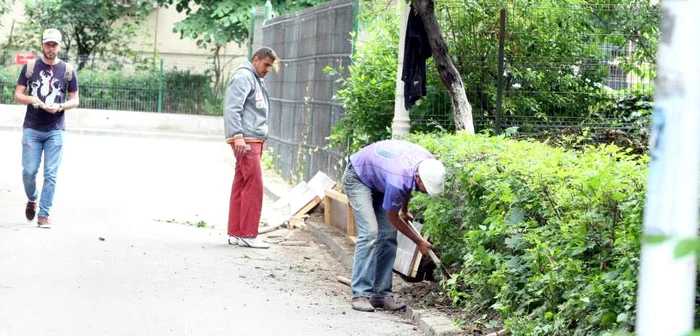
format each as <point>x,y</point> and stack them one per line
<point>125,256</point>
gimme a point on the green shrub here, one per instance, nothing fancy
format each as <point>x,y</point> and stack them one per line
<point>531,228</point>
<point>8,83</point>
<point>183,92</point>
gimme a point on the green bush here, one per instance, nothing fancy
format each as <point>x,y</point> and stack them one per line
<point>8,83</point>
<point>183,92</point>
<point>535,229</point>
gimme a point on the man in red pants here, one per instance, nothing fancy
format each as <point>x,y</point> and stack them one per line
<point>245,122</point>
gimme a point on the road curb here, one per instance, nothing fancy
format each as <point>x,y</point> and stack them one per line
<point>431,323</point>
<point>324,236</point>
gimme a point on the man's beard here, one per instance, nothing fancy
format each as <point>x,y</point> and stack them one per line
<point>49,55</point>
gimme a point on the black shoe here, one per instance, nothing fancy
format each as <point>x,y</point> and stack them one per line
<point>30,211</point>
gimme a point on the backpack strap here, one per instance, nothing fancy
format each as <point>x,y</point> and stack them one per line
<point>69,72</point>
<point>32,63</point>
<point>30,68</point>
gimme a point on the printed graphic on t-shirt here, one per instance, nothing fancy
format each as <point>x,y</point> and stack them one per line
<point>259,100</point>
<point>389,153</point>
<point>47,88</point>
<point>397,150</point>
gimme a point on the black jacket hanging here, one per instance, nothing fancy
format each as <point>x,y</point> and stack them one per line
<point>416,52</point>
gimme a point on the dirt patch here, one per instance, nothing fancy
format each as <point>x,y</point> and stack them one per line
<point>312,262</point>
<point>426,295</point>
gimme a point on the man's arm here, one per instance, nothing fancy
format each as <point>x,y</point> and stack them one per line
<point>72,102</point>
<point>21,88</point>
<point>405,215</point>
<point>73,96</point>
<point>423,245</point>
<point>236,94</point>
<point>23,99</point>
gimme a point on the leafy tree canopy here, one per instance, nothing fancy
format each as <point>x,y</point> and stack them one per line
<point>218,22</point>
<point>4,5</point>
<point>91,26</point>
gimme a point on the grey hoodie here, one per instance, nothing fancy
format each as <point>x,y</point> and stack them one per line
<point>247,104</point>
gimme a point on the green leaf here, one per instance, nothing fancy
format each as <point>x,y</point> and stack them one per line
<point>686,247</point>
<point>655,239</point>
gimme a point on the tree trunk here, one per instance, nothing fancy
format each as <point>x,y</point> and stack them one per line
<point>218,70</point>
<point>83,52</point>
<point>448,73</point>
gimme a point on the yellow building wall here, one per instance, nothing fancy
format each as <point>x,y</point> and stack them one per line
<point>156,36</point>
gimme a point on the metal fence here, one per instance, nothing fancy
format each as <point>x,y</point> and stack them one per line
<point>303,110</point>
<point>169,84</point>
<point>562,65</point>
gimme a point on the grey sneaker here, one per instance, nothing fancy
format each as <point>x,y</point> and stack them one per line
<point>386,303</point>
<point>362,304</point>
<point>233,240</point>
<point>252,242</point>
<point>44,222</point>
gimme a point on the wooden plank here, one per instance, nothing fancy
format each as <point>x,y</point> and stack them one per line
<point>327,213</point>
<point>338,196</point>
<point>313,203</point>
<point>300,200</point>
<point>339,215</point>
<point>407,255</point>
<point>337,210</point>
<point>297,199</point>
<point>417,258</point>
<point>320,183</point>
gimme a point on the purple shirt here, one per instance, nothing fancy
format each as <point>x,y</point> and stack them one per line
<point>389,167</point>
<point>48,83</point>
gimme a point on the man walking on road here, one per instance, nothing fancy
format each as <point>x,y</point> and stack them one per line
<point>245,122</point>
<point>378,181</point>
<point>49,81</point>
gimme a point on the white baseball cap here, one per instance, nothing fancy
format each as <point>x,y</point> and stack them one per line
<point>432,173</point>
<point>52,35</point>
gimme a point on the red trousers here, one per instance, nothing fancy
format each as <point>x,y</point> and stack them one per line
<point>246,194</point>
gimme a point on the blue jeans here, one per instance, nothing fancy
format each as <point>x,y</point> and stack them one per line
<point>375,250</point>
<point>35,142</point>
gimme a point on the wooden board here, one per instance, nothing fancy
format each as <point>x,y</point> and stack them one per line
<point>407,255</point>
<point>279,212</point>
<point>298,201</point>
<point>338,212</point>
<point>320,183</point>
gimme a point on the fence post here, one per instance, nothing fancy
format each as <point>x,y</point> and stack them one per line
<point>667,287</point>
<point>401,125</point>
<point>268,10</point>
<point>251,32</point>
<point>160,87</point>
<point>355,23</point>
<point>501,66</point>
